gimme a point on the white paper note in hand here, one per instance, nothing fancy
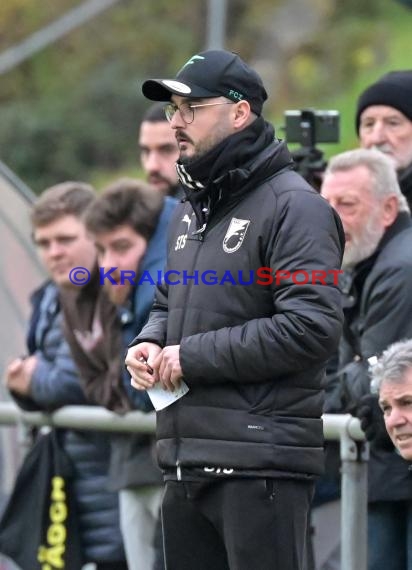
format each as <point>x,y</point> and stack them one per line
<point>162,398</point>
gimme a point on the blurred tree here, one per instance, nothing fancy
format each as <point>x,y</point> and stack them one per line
<point>74,108</point>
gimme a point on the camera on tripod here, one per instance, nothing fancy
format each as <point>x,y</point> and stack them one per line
<point>309,127</point>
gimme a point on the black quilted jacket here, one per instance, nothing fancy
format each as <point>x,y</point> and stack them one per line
<point>252,355</point>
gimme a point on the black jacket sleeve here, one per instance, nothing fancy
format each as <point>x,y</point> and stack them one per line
<point>156,328</point>
<point>387,318</point>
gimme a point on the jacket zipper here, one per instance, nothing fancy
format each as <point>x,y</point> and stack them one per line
<point>200,235</point>
<point>176,425</point>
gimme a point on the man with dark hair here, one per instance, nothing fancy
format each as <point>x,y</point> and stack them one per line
<point>126,216</point>
<point>384,121</point>
<point>362,186</point>
<point>48,379</point>
<point>159,151</point>
<point>128,222</point>
<point>240,450</point>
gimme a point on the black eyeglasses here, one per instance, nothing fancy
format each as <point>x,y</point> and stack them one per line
<point>187,110</point>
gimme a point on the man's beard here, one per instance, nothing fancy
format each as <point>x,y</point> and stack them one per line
<point>118,294</point>
<point>168,186</point>
<point>364,244</point>
<point>386,149</point>
<point>199,151</point>
<point>206,145</point>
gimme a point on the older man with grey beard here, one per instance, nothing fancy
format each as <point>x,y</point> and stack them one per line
<point>362,186</point>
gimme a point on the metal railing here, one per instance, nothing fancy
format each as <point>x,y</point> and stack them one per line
<point>344,428</point>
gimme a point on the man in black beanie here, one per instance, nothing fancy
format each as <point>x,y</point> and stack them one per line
<point>384,121</point>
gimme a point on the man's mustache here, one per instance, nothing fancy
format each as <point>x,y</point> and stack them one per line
<point>156,177</point>
<point>182,137</point>
<point>384,147</point>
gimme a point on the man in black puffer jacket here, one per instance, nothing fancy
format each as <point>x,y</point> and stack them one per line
<point>240,450</point>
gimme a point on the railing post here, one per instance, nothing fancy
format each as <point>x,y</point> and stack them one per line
<point>354,457</point>
<point>353,453</point>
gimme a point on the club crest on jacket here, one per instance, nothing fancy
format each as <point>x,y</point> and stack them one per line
<point>235,235</point>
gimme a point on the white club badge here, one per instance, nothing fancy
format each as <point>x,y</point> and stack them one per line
<point>235,235</point>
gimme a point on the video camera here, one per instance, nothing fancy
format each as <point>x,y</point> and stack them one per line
<point>309,127</point>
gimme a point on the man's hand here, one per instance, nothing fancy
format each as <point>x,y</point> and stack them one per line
<point>147,364</point>
<point>139,362</point>
<point>19,374</point>
<point>372,422</point>
<point>168,367</point>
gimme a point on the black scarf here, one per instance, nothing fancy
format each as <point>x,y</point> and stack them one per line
<point>204,178</point>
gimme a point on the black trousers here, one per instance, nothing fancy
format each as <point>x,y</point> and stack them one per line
<point>236,524</point>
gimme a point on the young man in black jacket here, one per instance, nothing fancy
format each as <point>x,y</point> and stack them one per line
<point>240,450</point>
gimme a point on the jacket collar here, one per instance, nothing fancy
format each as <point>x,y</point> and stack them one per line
<point>402,222</point>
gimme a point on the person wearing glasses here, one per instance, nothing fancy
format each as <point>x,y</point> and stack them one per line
<point>240,438</point>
